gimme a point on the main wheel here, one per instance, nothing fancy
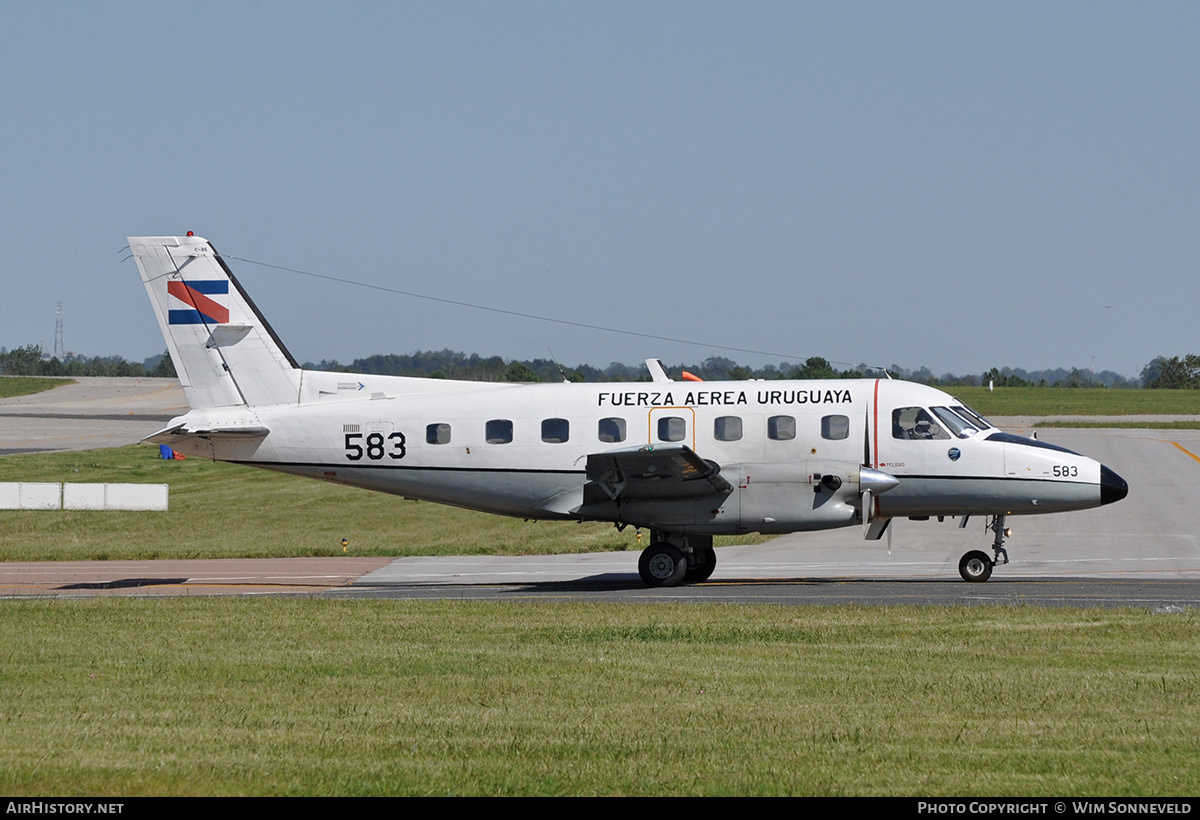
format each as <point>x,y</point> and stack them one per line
<point>975,566</point>
<point>706,562</point>
<point>662,565</point>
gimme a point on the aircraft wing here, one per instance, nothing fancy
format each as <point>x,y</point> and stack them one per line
<point>654,472</point>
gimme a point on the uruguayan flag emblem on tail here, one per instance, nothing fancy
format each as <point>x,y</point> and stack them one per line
<point>207,302</point>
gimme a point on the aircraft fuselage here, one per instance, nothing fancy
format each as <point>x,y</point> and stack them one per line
<point>522,449</point>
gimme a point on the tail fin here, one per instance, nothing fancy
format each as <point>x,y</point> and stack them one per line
<point>224,351</point>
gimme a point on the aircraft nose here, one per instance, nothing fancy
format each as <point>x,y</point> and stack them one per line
<point>1112,486</point>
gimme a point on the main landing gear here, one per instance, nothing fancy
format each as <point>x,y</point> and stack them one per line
<point>673,560</point>
<point>976,566</point>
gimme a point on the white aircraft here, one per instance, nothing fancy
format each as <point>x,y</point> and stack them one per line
<point>685,460</point>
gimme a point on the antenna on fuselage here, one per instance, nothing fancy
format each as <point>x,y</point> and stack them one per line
<point>554,359</point>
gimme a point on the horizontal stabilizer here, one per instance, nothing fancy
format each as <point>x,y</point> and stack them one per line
<point>174,433</point>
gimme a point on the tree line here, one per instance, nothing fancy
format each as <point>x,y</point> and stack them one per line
<point>1173,373</point>
<point>30,361</point>
<point>451,364</point>
<point>1161,373</point>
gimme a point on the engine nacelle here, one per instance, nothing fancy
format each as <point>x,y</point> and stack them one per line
<point>780,497</point>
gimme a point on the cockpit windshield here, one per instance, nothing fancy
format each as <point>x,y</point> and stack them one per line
<point>957,424</point>
<point>976,420</point>
<point>935,423</point>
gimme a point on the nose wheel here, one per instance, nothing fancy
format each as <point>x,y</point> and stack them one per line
<point>976,566</point>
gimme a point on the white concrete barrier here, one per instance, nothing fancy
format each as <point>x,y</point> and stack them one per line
<point>80,496</point>
<point>41,496</point>
<point>135,497</point>
<point>83,496</point>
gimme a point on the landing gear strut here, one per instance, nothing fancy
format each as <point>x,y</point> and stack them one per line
<point>997,526</point>
<point>976,566</point>
<point>702,566</point>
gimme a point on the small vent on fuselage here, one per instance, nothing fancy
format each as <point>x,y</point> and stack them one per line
<point>350,428</point>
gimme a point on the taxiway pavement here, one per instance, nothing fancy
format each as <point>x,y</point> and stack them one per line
<point>92,413</point>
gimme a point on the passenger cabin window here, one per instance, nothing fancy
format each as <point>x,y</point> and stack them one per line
<point>611,430</point>
<point>671,428</point>
<point>437,434</point>
<point>727,428</point>
<point>498,431</point>
<point>835,428</point>
<point>555,431</point>
<point>915,423</point>
<point>781,428</point>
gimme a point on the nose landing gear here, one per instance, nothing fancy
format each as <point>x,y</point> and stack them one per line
<point>976,566</point>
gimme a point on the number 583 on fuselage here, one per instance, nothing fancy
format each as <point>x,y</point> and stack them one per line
<point>686,460</point>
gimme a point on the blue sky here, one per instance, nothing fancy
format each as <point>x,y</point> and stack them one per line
<point>951,185</point>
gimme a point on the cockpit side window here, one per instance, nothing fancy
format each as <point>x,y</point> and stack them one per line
<point>915,423</point>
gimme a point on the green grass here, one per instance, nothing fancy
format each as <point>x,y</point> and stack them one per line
<point>307,696</point>
<point>1050,401</point>
<point>227,511</point>
<point>26,385</point>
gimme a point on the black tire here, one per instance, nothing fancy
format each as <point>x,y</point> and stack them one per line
<point>976,567</point>
<point>706,563</point>
<point>662,565</point>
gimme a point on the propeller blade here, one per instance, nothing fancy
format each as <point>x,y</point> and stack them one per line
<point>875,530</point>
